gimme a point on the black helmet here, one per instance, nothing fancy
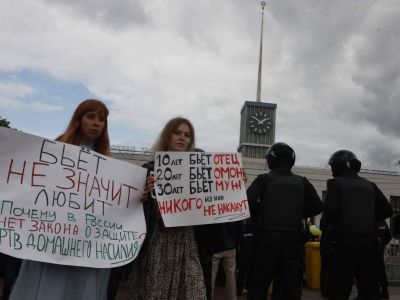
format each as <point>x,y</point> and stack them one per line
<point>344,160</point>
<point>280,155</point>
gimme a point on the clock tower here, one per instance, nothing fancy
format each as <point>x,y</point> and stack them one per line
<point>257,128</point>
<point>257,121</point>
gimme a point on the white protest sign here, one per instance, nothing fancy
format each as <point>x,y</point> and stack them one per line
<point>200,188</point>
<point>68,205</point>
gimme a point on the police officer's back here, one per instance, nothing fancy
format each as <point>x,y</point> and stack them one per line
<point>279,201</point>
<point>353,205</point>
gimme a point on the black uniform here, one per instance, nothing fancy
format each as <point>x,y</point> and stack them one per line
<point>325,251</point>
<point>243,255</point>
<point>353,205</point>
<point>384,237</point>
<point>279,201</point>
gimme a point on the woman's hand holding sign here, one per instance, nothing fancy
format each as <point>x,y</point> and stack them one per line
<point>149,188</point>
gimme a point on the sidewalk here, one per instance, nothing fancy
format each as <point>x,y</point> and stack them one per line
<point>308,294</point>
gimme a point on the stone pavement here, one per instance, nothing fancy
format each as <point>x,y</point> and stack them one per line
<point>307,294</point>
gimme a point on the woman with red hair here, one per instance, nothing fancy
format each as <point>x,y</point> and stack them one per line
<point>42,281</point>
<point>88,127</point>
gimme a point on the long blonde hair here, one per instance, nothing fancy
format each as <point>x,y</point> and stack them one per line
<point>163,140</point>
<point>72,134</point>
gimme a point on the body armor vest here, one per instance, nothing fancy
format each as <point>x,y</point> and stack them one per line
<point>356,205</point>
<point>282,203</point>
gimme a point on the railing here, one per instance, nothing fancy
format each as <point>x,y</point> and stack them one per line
<point>122,149</point>
<point>392,261</point>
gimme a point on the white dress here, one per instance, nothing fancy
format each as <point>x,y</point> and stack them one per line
<point>45,281</point>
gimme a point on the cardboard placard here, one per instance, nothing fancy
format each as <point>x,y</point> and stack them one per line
<point>65,204</point>
<point>195,188</point>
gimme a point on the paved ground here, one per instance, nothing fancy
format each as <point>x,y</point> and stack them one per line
<point>313,294</point>
<point>307,294</point>
<point>220,294</point>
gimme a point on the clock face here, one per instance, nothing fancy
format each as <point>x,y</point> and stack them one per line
<point>260,123</point>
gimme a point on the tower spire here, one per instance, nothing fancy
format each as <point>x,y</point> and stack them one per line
<point>258,99</point>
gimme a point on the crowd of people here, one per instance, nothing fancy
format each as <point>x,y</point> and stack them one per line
<point>182,262</point>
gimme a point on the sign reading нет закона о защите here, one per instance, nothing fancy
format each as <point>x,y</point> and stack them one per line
<point>65,204</point>
<point>195,188</point>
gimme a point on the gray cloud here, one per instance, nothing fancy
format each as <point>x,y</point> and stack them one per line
<point>343,72</point>
<point>378,72</point>
<point>121,14</point>
<point>331,66</point>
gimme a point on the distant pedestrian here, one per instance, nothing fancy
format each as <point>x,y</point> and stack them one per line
<point>384,238</point>
<point>227,234</point>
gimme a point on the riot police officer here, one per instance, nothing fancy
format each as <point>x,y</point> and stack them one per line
<point>353,205</point>
<point>279,201</point>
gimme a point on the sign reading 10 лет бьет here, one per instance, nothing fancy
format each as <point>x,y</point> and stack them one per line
<point>200,188</point>
<point>69,205</point>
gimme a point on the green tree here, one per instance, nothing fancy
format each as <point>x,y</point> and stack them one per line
<point>4,122</point>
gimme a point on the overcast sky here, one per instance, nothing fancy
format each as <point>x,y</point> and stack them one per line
<point>332,68</point>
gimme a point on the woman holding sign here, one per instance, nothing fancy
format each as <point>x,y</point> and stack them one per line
<point>168,266</point>
<point>38,280</point>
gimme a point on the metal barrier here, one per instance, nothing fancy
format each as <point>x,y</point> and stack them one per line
<point>392,261</point>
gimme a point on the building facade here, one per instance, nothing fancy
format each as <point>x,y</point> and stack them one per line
<point>388,182</point>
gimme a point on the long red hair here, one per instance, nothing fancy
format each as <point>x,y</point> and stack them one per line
<point>72,134</point>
